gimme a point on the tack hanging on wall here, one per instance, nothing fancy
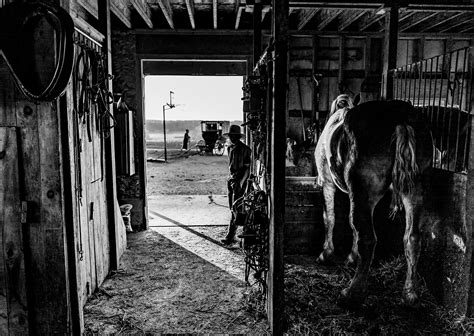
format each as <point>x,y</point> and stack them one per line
<point>31,28</point>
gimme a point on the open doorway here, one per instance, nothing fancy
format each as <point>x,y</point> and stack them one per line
<point>186,176</point>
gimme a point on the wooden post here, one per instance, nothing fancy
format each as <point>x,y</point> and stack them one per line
<point>315,84</point>
<point>367,66</point>
<point>390,50</point>
<point>340,75</point>
<point>257,31</point>
<point>470,191</point>
<point>277,193</point>
<point>110,175</point>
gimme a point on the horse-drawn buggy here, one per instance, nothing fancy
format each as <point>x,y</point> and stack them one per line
<point>212,133</point>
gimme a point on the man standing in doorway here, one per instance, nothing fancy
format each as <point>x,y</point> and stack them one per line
<point>239,171</point>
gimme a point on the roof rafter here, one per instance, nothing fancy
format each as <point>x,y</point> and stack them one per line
<point>459,25</point>
<point>326,16</point>
<point>305,16</point>
<point>167,11</point>
<point>88,6</point>
<point>441,19</point>
<point>121,10</point>
<point>238,13</point>
<point>348,18</point>
<point>190,8</point>
<point>144,11</point>
<point>214,13</point>
<point>414,19</point>
<point>265,10</point>
<point>369,19</point>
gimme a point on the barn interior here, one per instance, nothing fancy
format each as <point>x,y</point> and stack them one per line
<point>69,159</point>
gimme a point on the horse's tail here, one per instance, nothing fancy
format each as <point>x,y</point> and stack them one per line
<point>405,168</point>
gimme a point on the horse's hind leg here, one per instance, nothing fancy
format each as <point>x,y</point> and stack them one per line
<point>364,194</point>
<point>329,216</point>
<point>412,204</point>
<point>361,221</point>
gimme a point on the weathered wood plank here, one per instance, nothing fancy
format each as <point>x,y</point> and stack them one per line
<point>390,50</point>
<point>470,195</point>
<point>7,87</point>
<point>277,196</point>
<point>13,302</point>
<point>52,282</point>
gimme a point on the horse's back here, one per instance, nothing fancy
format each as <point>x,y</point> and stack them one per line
<point>373,124</point>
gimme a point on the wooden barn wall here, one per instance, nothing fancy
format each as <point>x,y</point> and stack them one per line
<point>128,49</point>
<point>33,275</point>
<point>90,200</point>
<point>52,240</point>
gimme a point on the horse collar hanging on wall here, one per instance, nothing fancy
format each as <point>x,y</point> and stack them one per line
<point>40,72</point>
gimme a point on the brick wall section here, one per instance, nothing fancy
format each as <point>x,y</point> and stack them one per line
<point>124,82</point>
<point>123,66</point>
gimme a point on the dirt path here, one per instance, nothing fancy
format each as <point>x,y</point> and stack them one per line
<point>162,287</point>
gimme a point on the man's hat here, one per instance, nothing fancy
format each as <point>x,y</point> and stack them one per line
<point>234,130</point>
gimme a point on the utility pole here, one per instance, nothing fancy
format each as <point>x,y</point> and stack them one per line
<point>169,105</point>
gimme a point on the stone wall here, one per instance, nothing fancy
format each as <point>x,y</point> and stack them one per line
<point>124,66</point>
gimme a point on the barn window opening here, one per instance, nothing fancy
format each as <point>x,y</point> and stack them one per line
<point>187,163</point>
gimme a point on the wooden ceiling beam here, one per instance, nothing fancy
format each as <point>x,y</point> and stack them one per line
<point>190,8</point>
<point>439,5</point>
<point>238,13</point>
<point>120,8</point>
<point>414,19</point>
<point>144,11</point>
<point>326,16</point>
<point>441,18</point>
<point>460,21</point>
<point>167,11</point>
<point>305,16</point>
<point>369,19</point>
<point>89,6</point>
<point>349,18</point>
<point>214,13</point>
<point>265,10</point>
<point>460,25</point>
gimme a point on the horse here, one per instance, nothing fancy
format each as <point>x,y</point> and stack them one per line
<point>365,151</point>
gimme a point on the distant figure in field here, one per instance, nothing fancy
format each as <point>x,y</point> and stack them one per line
<point>186,140</point>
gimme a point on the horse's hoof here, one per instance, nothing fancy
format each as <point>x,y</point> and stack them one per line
<point>410,298</point>
<point>350,299</point>
<point>325,258</point>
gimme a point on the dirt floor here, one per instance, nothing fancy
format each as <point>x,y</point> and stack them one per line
<point>176,278</point>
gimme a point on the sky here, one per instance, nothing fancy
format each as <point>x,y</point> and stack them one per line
<point>195,97</point>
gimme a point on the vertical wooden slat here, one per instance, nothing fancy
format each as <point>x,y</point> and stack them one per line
<point>13,303</point>
<point>72,212</point>
<point>257,31</point>
<point>110,178</point>
<point>470,184</point>
<point>390,50</point>
<point>277,194</point>
<point>340,75</point>
<point>315,96</point>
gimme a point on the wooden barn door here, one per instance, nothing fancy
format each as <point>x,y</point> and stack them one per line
<point>13,305</point>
